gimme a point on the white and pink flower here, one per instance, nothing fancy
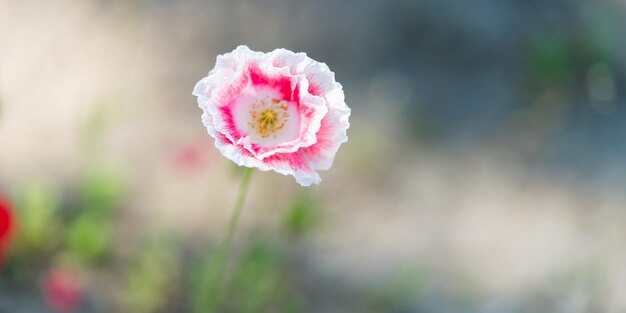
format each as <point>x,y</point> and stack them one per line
<point>278,111</point>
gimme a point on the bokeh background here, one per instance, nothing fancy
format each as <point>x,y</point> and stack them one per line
<point>485,170</point>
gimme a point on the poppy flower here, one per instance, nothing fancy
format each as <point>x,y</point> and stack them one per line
<point>62,289</point>
<point>280,111</point>
<point>6,225</point>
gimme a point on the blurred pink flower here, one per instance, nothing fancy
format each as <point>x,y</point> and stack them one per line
<point>191,157</point>
<point>278,111</point>
<point>7,224</point>
<point>62,290</point>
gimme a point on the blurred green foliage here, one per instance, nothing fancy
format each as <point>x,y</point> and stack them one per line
<point>39,227</point>
<point>102,192</point>
<point>258,282</point>
<point>551,59</point>
<point>151,277</point>
<point>78,229</point>
<point>301,216</point>
<point>204,283</point>
<point>52,227</point>
<point>90,232</point>
<point>88,237</point>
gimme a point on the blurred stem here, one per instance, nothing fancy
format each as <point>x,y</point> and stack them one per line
<point>227,242</point>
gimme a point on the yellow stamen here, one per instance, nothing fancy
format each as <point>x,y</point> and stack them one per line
<point>268,117</point>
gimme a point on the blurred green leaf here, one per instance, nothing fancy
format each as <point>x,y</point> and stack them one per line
<point>39,228</point>
<point>550,59</point>
<point>301,216</point>
<point>257,280</point>
<point>88,237</point>
<point>258,283</point>
<point>89,234</point>
<point>205,285</point>
<point>151,277</point>
<point>102,191</point>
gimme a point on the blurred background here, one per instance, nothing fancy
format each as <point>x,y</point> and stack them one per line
<point>485,170</point>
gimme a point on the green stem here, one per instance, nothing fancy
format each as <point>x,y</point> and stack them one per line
<point>226,245</point>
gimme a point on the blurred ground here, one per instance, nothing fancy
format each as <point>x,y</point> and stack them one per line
<point>484,172</point>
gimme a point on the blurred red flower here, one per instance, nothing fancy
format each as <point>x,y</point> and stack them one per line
<point>62,290</point>
<point>6,225</point>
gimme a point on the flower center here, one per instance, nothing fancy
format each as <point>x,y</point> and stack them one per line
<point>268,116</point>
